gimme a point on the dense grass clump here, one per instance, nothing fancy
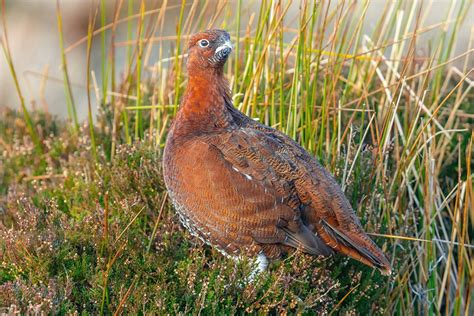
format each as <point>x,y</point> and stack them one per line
<point>85,223</point>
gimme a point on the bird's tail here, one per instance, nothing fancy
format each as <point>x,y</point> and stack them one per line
<point>355,244</point>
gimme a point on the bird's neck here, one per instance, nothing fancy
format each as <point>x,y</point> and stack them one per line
<point>207,100</point>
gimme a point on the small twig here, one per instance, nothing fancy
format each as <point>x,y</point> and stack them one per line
<point>434,240</point>
<point>128,225</point>
<point>127,294</point>
<point>106,276</point>
<point>96,88</point>
<point>106,216</point>
<point>44,177</point>
<point>157,222</point>
<point>343,299</point>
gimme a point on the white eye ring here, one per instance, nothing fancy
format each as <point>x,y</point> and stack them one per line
<point>203,43</point>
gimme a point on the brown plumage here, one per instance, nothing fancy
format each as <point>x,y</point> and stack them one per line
<point>244,187</point>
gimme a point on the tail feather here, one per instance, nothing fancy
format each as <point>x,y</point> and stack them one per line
<point>307,241</point>
<point>356,245</point>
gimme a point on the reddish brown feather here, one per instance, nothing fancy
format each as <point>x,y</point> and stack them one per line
<point>246,188</point>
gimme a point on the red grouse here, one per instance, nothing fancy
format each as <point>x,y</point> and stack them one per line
<point>245,188</point>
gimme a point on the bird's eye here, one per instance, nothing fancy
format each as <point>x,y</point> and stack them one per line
<point>203,43</point>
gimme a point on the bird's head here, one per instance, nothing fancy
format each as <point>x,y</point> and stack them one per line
<point>208,50</point>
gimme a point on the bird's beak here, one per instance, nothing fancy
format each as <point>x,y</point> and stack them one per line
<point>223,50</point>
<point>226,45</point>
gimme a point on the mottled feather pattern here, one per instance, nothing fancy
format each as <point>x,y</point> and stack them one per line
<point>246,188</point>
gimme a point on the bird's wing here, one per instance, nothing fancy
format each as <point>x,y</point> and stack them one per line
<point>328,212</point>
<point>235,197</point>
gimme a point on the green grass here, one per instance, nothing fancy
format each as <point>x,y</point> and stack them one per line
<point>85,223</point>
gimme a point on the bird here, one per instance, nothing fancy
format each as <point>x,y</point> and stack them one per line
<point>244,188</point>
